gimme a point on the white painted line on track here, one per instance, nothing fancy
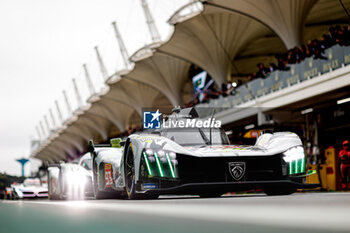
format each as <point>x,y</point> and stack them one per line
<point>317,217</point>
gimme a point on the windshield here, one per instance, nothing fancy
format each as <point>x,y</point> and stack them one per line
<point>197,136</point>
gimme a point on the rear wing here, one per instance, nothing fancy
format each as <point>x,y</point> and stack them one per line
<point>114,142</point>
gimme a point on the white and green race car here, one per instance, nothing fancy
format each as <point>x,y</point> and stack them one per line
<point>197,161</point>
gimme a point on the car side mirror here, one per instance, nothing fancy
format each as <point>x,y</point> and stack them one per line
<point>91,146</point>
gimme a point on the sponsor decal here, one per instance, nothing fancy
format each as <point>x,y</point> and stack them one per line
<point>151,120</point>
<point>108,175</point>
<point>219,148</point>
<point>148,138</point>
<point>53,185</point>
<point>149,186</point>
<point>228,148</point>
<point>237,170</point>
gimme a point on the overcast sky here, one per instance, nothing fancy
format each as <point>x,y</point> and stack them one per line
<point>43,45</point>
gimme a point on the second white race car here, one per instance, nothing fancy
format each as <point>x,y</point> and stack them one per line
<point>70,180</point>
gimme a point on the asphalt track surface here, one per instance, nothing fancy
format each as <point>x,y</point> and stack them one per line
<point>300,212</point>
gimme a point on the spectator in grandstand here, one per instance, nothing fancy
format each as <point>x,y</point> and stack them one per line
<point>292,57</point>
<point>273,67</point>
<point>341,38</point>
<point>252,76</point>
<point>231,88</point>
<point>336,34</point>
<point>227,89</point>
<point>263,71</point>
<point>314,48</point>
<point>302,52</point>
<point>332,36</point>
<point>310,50</point>
<point>346,36</point>
<point>318,50</point>
<point>223,91</point>
<point>281,63</point>
<point>326,41</point>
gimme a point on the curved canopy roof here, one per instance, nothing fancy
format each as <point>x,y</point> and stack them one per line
<point>165,73</point>
<point>215,38</point>
<point>227,38</point>
<point>286,18</point>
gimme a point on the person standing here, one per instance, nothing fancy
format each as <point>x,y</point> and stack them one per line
<point>344,156</point>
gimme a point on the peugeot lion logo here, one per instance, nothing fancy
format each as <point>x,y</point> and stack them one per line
<point>237,169</point>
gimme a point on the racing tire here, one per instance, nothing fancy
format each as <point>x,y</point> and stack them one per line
<point>279,191</point>
<point>130,185</point>
<point>129,170</point>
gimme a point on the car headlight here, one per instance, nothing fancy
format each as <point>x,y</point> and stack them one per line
<point>160,163</point>
<point>76,178</point>
<point>19,192</point>
<point>295,157</point>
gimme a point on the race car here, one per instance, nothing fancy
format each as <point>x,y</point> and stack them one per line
<point>31,188</point>
<point>70,180</point>
<point>200,161</point>
<point>16,190</point>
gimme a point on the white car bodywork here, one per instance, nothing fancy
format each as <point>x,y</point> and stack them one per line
<point>113,157</point>
<point>70,179</point>
<point>31,188</point>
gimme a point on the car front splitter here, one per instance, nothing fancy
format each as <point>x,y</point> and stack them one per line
<point>223,187</point>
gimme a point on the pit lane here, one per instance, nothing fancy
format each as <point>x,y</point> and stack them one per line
<point>300,212</point>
